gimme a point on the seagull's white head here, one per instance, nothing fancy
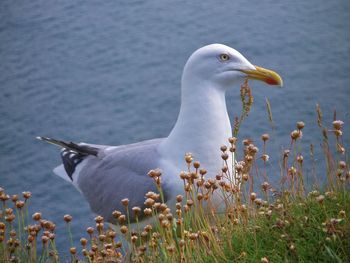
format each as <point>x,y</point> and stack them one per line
<point>225,67</point>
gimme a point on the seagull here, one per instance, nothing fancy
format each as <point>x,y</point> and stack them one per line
<point>106,174</point>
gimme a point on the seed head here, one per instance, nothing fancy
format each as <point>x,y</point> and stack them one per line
<point>265,157</point>
<point>162,207</point>
<point>338,133</point>
<point>156,205</point>
<point>125,202</point>
<point>149,202</point>
<point>223,148</point>
<point>300,159</point>
<point>36,216</point>
<point>264,260</point>
<point>193,236</point>
<point>199,196</point>
<point>94,248</point>
<point>98,219</point>
<point>116,214</point>
<point>155,173</point>
<point>121,219</point>
<point>245,177</point>
<point>10,218</point>
<point>342,165</point>
<point>151,194</point>
<point>19,204</point>
<point>83,242</point>
<point>292,170</point>
<point>338,124</point>
<point>133,239</point>
<point>111,234</point>
<point>189,202</point>
<point>147,211</point>
<point>102,237</point>
<point>124,229</point>
<point>188,158</point>
<point>73,250</point>
<point>296,134</point>
<point>14,198</point>
<point>341,149</point>
<point>4,197</point>
<point>252,196</point>
<point>165,223</point>
<point>179,198</point>
<point>67,218</point>
<point>238,167</point>
<point>232,140</point>
<point>136,210</point>
<point>44,239</point>
<point>224,156</point>
<point>8,211</point>
<point>26,195</point>
<point>300,125</point>
<point>252,149</point>
<point>202,172</point>
<point>90,230</point>
<point>258,201</point>
<point>194,176</point>
<point>265,137</point>
<point>171,249</point>
<point>30,238</point>
<point>246,142</point>
<point>196,164</point>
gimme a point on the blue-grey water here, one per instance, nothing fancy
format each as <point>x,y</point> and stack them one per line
<point>108,72</point>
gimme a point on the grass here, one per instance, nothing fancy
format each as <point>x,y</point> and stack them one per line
<point>238,216</point>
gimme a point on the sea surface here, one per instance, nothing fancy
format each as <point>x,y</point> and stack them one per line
<point>108,72</point>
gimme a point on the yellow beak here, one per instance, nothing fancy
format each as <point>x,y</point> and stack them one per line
<point>266,75</point>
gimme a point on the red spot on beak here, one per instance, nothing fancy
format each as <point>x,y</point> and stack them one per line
<point>271,81</point>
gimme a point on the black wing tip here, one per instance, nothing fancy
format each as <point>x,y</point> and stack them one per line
<point>43,138</point>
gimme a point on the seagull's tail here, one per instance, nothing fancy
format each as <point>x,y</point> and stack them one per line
<point>72,155</point>
<point>81,149</point>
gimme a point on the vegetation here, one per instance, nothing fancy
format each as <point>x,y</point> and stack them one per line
<point>238,216</point>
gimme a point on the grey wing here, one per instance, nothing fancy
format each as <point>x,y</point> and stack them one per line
<point>121,173</point>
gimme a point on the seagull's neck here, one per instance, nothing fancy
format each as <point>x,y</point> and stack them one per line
<point>202,126</point>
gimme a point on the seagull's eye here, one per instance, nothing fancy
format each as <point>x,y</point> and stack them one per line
<point>224,57</point>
